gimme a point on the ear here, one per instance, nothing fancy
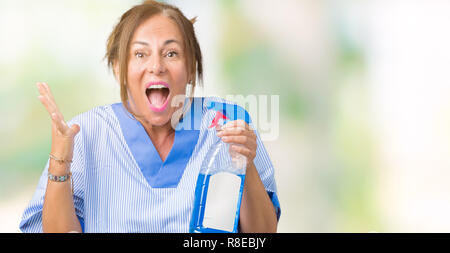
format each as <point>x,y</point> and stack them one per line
<point>116,70</point>
<point>190,79</point>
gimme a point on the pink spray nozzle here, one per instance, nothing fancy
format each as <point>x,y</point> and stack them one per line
<point>217,118</point>
<point>226,112</point>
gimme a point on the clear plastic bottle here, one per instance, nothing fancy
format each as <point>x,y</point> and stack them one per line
<point>220,184</point>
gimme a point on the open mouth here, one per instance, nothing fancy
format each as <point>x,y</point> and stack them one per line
<point>158,95</point>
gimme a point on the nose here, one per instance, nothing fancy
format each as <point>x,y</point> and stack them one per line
<point>156,65</point>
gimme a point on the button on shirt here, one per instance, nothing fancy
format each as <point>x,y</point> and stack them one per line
<point>122,185</point>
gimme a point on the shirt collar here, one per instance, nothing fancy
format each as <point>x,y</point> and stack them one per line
<point>161,174</point>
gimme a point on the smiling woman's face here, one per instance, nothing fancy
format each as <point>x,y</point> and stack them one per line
<point>157,70</point>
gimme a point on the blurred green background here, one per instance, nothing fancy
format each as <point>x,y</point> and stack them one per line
<point>363,88</point>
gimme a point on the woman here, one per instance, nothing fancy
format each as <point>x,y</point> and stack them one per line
<point>132,166</point>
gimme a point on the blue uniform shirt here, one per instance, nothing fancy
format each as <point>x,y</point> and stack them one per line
<point>122,185</point>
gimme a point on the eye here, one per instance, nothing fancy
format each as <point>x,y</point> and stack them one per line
<point>139,54</point>
<point>171,54</point>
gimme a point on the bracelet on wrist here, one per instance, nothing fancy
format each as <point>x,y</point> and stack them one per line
<point>59,160</point>
<point>64,178</point>
<point>59,178</point>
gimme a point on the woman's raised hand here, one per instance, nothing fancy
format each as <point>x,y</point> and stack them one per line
<point>62,135</point>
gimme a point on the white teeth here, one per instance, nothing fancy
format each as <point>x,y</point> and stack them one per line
<point>157,86</point>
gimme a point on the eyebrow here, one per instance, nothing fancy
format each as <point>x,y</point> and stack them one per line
<point>164,44</point>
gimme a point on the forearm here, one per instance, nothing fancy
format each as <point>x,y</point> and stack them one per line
<point>257,211</point>
<point>58,215</point>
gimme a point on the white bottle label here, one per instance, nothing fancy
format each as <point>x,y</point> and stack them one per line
<point>221,201</point>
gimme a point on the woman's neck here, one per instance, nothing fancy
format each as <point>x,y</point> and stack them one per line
<point>163,138</point>
<point>159,134</point>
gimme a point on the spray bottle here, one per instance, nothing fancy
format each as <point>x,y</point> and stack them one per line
<point>220,183</point>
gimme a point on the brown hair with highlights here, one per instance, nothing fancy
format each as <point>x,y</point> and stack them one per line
<point>119,42</point>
